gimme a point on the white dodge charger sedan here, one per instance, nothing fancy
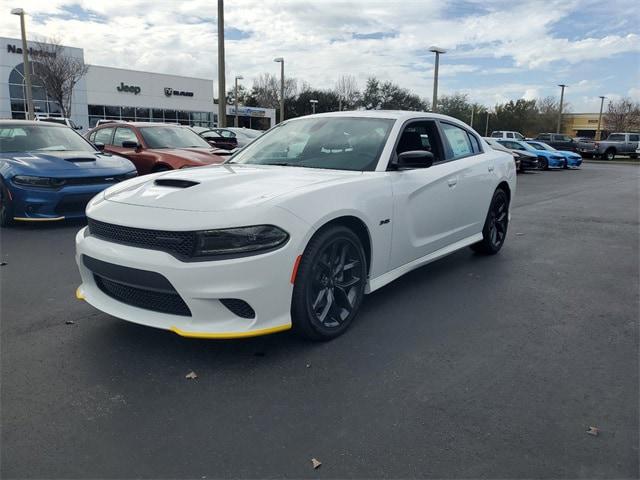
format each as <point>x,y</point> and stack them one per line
<point>295,229</point>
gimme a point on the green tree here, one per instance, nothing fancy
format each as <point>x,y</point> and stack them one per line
<point>390,96</point>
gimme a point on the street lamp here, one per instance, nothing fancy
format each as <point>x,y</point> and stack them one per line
<point>280,60</point>
<point>25,63</point>
<point>437,51</point>
<point>599,132</point>
<point>562,86</point>
<point>222,88</point>
<point>486,125</point>
<point>313,105</point>
<point>235,99</point>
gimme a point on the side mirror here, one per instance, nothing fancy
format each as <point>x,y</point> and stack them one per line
<point>414,159</point>
<point>130,144</point>
<point>99,146</point>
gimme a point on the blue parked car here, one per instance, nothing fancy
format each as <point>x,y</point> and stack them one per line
<point>573,159</point>
<point>49,172</point>
<point>546,158</point>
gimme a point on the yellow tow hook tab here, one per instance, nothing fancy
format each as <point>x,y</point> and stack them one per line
<point>79,294</point>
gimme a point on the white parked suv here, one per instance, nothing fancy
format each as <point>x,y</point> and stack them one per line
<point>297,227</point>
<point>507,135</point>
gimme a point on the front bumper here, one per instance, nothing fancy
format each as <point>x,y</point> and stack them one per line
<point>529,163</point>
<point>556,162</point>
<point>573,162</point>
<point>262,281</point>
<point>43,204</point>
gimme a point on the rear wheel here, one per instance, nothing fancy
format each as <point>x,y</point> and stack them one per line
<point>495,225</point>
<point>329,285</point>
<point>610,154</point>
<point>6,209</point>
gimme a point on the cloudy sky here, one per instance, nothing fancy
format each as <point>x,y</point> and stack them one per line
<point>497,50</point>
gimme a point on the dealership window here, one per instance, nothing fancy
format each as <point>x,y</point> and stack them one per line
<point>42,103</point>
<point>141,114</point>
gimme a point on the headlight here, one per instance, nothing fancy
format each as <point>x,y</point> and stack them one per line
<point>230,241</point>
<point>42,182</point>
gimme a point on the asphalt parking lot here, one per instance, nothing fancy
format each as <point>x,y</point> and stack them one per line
<point>469,367</point>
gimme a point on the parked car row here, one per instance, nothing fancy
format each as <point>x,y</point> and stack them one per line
<point>615,144</point>
<point>534,155</point>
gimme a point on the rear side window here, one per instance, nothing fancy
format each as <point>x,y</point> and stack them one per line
<point>616,137</point>
<point>509,135</point>
<point>103,136</point>
<point>496,134</point>
<point>458,140</point>
<point>475,144</point>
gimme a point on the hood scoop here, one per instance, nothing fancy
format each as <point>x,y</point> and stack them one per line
<point>175,183</point>
<point>80,159</point>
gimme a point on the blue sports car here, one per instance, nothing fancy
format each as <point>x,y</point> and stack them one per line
<point>546,158</point>
<point>573,160</point>
<point>49,172</point>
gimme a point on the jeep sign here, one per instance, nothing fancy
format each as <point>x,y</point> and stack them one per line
<point>129,88</point>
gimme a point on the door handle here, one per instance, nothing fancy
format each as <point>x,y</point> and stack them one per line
<point>452,181</point>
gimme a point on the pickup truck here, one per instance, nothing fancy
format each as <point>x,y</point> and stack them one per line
<point>618,144</point>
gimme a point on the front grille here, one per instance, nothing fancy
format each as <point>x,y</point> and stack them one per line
<point>238,307</point>
<point>180,244</point>
<point>73,204</point>
<point>141,298</point>
<point>94,180</point>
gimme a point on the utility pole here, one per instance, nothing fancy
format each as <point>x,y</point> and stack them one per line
<point>222,89</point>
<point>25,64</point>
<point>599,132</point>
<point>562,86</point>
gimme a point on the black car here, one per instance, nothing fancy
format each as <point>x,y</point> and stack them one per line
<point>558,141</point>
<point>524,160</point>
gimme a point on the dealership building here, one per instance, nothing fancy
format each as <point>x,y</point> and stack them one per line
<point>119,94</point>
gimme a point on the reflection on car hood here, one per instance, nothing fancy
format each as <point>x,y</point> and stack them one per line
<point>221,187</point>
<point>51,162</point>
<point>204,155</point>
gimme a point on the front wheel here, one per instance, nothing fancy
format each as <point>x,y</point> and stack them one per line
<point>543,163</point>
<point>6,209</point>
<point>495,225</point>
<point>329,284</point>
<point>610,154</point>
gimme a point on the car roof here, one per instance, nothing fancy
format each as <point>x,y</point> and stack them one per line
<point>120,123</point>
<point>30,122</point>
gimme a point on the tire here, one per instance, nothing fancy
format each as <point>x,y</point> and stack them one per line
<point>6,209</point>
<point>543,163</point>
<point>610,154</point>
<point>329,284</point>
<point>496,224</point>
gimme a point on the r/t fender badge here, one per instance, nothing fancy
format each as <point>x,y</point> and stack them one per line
<point>385,221</point>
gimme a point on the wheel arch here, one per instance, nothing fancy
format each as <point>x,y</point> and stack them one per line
<point>504,185</point>
<point>357,226</point>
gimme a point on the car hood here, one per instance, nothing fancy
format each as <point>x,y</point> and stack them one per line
<point>70,162</point>
<point>200,155</point>
<point>221,187</point>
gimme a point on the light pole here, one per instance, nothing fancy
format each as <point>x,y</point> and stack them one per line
<point>313,105</point>
<point>222,89</point>
<point>562,86</point>
<point>235,99</point>
<point>486,125</point>
<point>472,111</point>
<point>599,132</point>
<point>25,63</point>
<point>437,51</point>
<point>280,60</point>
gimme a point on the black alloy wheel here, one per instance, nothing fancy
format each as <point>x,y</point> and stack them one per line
<point>329,285</point>
<point>6,210</point>
<point>543,163</point>
<point>496,224</point>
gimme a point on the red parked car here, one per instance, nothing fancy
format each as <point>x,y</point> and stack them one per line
<point>154,147</point>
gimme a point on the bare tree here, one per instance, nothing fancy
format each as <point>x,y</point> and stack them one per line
<point>58,72</point>
<point>266,90</point>
<point>347,90</point>
<point>623,116</point>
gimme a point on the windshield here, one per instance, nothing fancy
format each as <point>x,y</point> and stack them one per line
<point>172,137</point>
<point>542,146</point>
<point>29,138</point>
<point>341,143</point>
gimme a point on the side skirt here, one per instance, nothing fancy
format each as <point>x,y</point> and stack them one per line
<point>379,282</point>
